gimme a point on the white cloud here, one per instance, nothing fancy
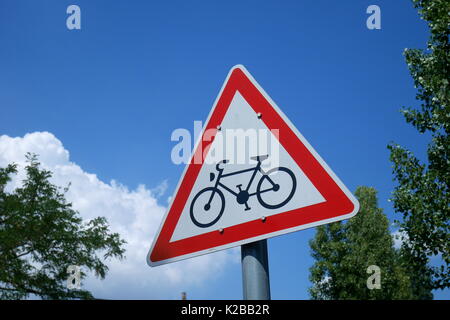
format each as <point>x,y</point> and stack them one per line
<point>135,214</point>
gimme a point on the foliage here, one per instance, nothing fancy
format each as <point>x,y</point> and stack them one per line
<point>344,251</point>
<point>41,235</point>
<point>423,191</point>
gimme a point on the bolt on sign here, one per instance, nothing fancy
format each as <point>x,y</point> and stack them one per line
<point>257,178</point>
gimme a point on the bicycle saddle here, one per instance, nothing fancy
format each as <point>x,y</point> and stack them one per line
<point>260,158</point>
<point>218,168</point>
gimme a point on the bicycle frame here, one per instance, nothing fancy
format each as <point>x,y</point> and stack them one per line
<point>242,196</point>
<point>254,169</point>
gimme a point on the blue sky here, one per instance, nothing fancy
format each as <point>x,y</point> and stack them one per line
<point>114,91</point>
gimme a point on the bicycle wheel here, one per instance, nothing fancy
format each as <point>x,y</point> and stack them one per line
<point>204,214</point>
<point>276,188</point>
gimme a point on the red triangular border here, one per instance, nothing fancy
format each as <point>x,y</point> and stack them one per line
<point>337,202</point>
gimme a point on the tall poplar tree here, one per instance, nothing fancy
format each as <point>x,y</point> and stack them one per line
<point>422,195</point>
<point>343,252</point>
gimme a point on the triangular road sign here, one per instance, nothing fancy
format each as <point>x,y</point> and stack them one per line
<point>221,203</point>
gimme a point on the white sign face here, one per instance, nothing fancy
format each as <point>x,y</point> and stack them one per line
<point>241,119</point>
<point>257,177</point>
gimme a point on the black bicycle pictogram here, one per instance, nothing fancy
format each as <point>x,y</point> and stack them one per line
<point>204,198</point>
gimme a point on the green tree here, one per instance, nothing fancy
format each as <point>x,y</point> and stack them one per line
<point>344,251</point>
<point>41,235</point>
<point>423,192</point>
<point>419,273</point>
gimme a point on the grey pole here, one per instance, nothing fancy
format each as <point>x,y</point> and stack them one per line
<point>255,271</point>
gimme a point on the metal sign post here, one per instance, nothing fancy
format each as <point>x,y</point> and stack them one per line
<point>255,270</point>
